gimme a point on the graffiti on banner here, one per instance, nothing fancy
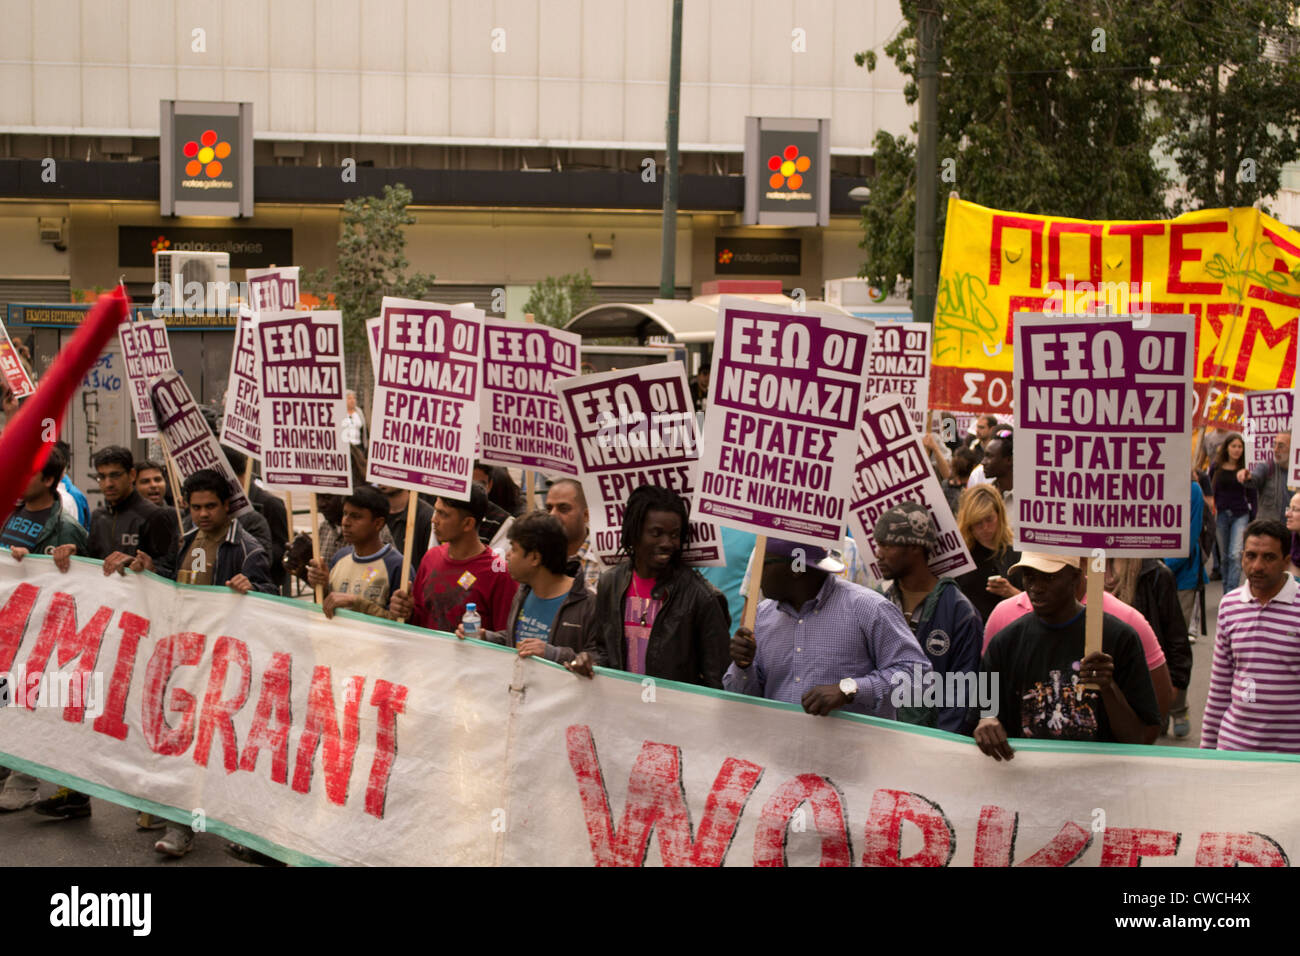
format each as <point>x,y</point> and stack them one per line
<point>147,354</point>
<point>1102,457</point>
<point>300,360</point>
<point>192,445</point>
<point>273,290</point>
<point>1236,270</point>
<point>900,365</point>
<point>634,427</point>
<point>241,425</point>
<point>892,467</point>
<point>425,413</point>
<point>785,398</point>
<point>524,427</point>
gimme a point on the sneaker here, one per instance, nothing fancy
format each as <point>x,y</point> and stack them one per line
<point>20,792</point>
<point>176,841</point>
<point>147,821</point>
<point>1191,638</point>
<point>65,803</point>
<point>1182,726</point>
<point>249,855</point>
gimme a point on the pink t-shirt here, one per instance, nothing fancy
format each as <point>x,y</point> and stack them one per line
<point>1016,607</point>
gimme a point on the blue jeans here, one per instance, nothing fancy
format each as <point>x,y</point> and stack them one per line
<point>1230,530</point>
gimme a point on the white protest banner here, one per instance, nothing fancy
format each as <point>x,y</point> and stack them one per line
<point>300,360</point>
<point>634,427</point>
<point>1101,456</point>
<point>900,365</point>
<point>785,398</point>
<point>1267,415</point>
<point>190,441</point>
<point>522,425</point>
<point>285,728</point>
<point>273,290</point>
<point>426,407</point>
<point>892,467</point>
<point>146,354</point>
<point>12,370</point>
<point>241,425</point>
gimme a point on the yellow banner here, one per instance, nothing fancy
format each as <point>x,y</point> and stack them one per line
<point>1236,270</point>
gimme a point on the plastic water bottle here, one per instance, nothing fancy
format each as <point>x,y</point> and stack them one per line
<point>471,622</point>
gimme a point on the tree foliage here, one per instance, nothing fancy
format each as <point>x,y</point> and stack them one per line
<point>1063,107</point>
<point>557,299</point>
<point>1232,98</point>
<point>371,264</point>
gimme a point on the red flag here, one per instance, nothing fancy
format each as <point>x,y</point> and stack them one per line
<point>28,437</point>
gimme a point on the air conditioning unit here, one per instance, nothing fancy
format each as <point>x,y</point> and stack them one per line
<point>178,270</point>
<point>51,230</point>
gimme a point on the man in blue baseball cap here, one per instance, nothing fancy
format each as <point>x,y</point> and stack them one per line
<point>821,641</point>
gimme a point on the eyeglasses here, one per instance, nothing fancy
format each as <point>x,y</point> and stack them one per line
<point>111,476</point>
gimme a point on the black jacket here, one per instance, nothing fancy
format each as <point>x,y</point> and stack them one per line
<point>571,631</point>
<point>973,584</point>
<point>1156,599</point>
<point>691,636</point>
<point>238,553</point>
<point>271,507</point>
<point>135,524</point>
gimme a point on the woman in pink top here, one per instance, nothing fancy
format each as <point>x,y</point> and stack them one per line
<point>1018,606</point>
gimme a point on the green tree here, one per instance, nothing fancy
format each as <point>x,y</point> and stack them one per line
<point>1042,109</point>
<point>557,299</point>
<point>371,264</point>
<point>1232,98</point>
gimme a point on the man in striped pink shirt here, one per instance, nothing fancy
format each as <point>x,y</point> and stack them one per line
<point>1254,701</point>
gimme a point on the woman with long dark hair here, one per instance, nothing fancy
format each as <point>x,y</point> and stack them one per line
<point>1234,505</point>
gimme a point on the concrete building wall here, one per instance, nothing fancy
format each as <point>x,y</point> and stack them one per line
<point>562,73</point>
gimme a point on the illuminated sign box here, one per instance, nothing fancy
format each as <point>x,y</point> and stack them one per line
<point>205,155</point>
<point>787,172</point>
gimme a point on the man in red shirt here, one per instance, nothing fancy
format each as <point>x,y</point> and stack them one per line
<point>460,570</point>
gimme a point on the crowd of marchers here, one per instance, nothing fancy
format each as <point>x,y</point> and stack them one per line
<point>827,635</point>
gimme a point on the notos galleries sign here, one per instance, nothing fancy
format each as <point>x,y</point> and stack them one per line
<point>787,172</point>
<point>205,156</point>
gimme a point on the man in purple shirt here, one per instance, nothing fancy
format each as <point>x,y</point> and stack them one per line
<point>823,642</point>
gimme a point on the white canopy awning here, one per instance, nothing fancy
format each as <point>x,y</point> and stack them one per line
<point>689,323</point>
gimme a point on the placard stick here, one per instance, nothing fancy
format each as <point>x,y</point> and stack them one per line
<point>248,474</point>
<point>1093,616</point>
<point>175,483</point>
<point>755,583</point>
<point>315,545</point>
<point>412,500</point>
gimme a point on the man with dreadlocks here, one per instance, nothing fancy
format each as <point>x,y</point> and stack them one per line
<point>654,615</point>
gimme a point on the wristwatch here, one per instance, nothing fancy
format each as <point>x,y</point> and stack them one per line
<point>848,687</point>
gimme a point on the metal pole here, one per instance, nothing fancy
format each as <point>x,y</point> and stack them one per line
<point>668,243</point>
<point>925,253</point>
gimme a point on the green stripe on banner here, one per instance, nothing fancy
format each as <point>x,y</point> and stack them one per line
<point>182,817</point>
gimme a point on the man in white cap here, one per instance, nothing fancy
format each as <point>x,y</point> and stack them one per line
<point>823,642</point>
<point>1040,668</point>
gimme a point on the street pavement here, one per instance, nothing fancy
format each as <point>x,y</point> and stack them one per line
<point>108,837</point>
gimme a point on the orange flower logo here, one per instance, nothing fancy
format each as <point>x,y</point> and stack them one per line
<point>725,256</point>
<point>160,244</point>
<point>788,168</point>
<point>206,155</point>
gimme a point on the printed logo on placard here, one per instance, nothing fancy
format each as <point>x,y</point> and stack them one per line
<point>937,644</point>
